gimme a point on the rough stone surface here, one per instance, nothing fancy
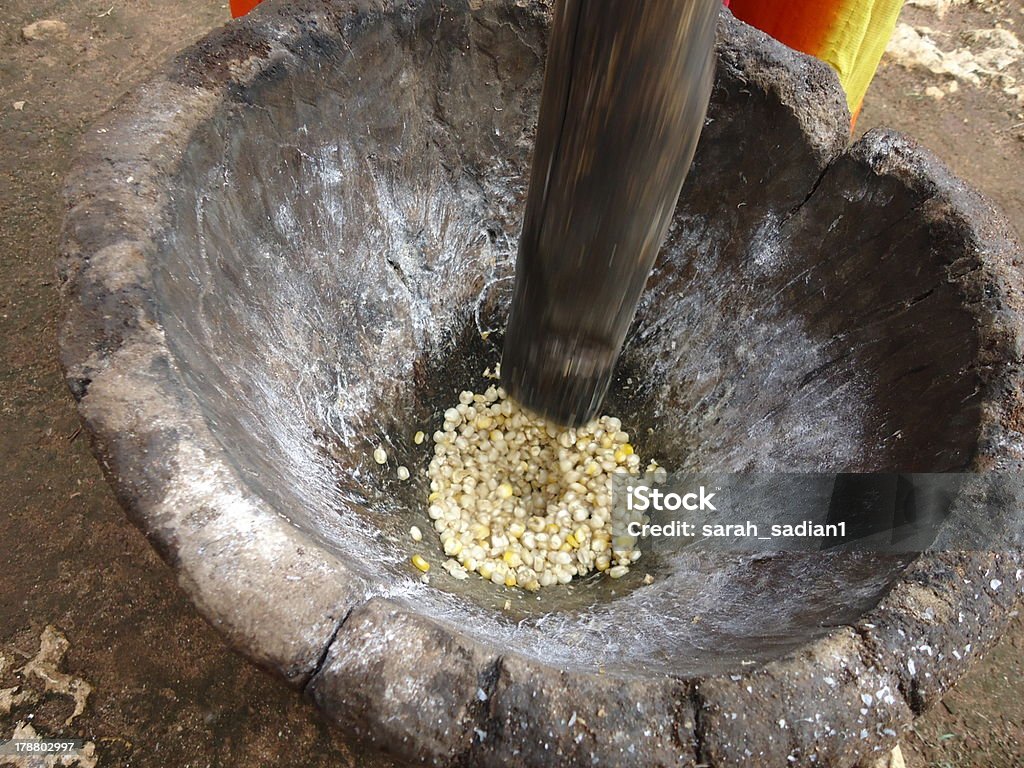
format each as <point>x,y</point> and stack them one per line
<point>281,253</point>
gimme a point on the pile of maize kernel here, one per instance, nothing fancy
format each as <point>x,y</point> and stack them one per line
<point>524,503</point>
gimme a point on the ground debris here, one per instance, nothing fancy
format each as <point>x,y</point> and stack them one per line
<point>44,29</point>
<point>989,58</point>
<point>939,7</point>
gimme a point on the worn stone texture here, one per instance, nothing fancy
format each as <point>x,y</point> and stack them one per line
<point>282,252</point>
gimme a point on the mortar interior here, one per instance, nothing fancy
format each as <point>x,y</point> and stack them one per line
<point>346,227</point>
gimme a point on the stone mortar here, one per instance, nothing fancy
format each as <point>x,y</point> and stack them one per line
<point>282,252</point>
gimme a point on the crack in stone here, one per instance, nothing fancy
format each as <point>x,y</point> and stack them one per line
<point>699,746</point>
<point>321,661</point>
<point>481,713</point>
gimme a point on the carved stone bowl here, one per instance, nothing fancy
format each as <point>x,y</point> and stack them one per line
<point>288,249</point>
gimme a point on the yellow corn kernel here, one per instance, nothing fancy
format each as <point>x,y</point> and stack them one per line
<point>418,438</point>
<point>434,496</point>
<point>570,540</point>
<point>620,456</point>
<point>592,468</point>
<point>552,528</point>
<point>420,563</point>
<point>606,442</point>
<point>627,449</point>
<point>510,580</point>
<point>516,530</point>
<point>512,559</point>
<point>483,422</point>
<point>566,547</point>
<point>505,491</point>
<point>486,570</point>
<point>480,532</point>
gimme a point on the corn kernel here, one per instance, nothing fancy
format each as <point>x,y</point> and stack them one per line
<point>452,547</point>
<point>551,521</point>
<point>418,438</point>
<point>420,563</point>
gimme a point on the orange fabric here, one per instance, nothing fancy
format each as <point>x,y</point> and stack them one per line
<point>242,7</point>
<point>800,25</point>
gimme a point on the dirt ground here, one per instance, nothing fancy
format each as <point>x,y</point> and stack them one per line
<point>83,598</point>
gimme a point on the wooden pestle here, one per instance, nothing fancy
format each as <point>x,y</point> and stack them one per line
<point>626,90</point>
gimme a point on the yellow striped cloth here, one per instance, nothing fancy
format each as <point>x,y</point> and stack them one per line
<point>850,35</point>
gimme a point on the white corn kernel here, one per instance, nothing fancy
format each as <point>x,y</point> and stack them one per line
<point>555,522</point>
